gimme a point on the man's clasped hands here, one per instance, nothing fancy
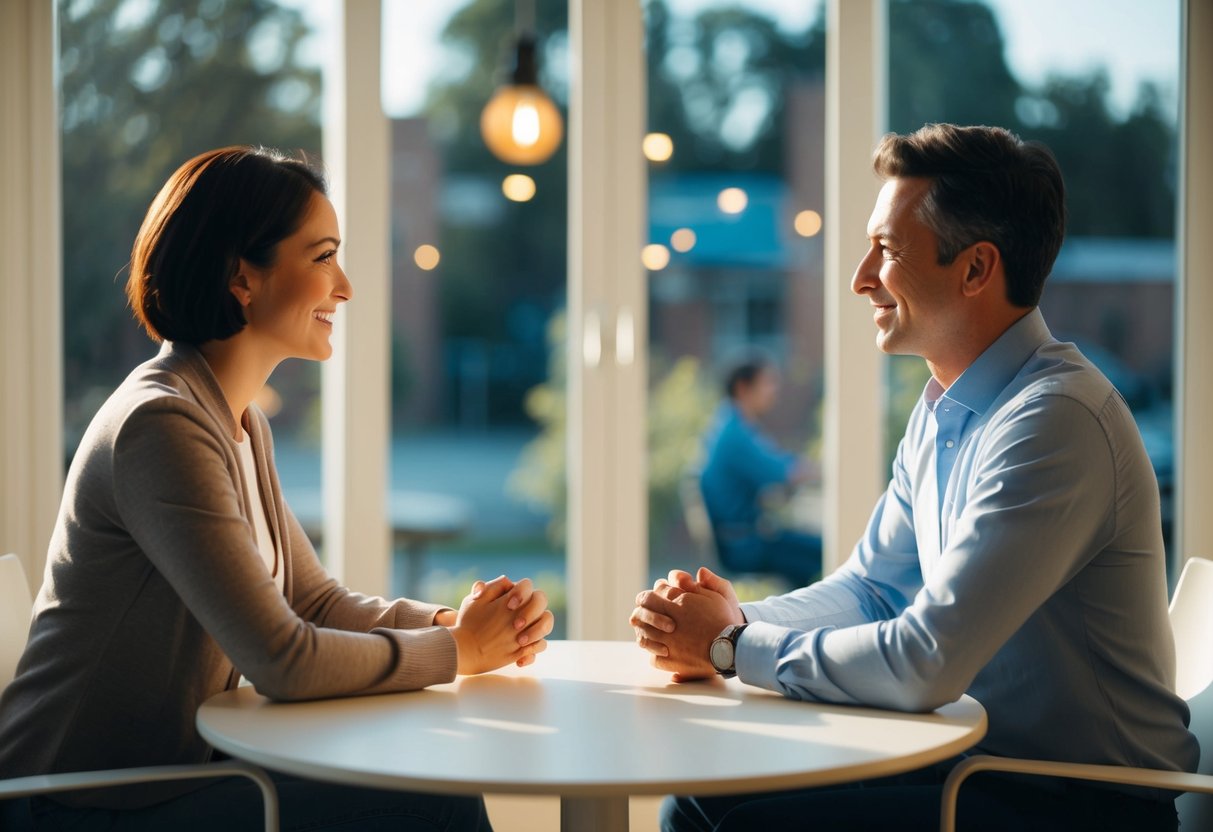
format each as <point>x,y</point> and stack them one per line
<point>679,617</point>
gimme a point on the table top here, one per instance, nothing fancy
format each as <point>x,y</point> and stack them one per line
<point>587,719</point>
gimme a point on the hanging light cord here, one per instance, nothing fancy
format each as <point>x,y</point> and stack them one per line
<point>524,17</point>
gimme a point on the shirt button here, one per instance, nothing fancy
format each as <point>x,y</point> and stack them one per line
<point>949,444</point>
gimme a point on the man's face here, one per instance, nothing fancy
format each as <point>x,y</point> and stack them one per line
<point>915,300</point>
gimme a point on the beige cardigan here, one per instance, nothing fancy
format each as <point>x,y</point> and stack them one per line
<point>155,596</point>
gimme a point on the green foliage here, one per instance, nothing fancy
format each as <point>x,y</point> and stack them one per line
<point>700,71</point>
<point>680,405</point>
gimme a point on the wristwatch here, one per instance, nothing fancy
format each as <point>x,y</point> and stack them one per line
<point>723,652</point>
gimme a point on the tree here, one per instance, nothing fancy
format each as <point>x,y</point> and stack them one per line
<point>947,62</point>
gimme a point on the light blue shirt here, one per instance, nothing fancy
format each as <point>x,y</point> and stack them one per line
<point>1017,556</point>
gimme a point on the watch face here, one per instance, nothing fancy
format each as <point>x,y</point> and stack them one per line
<point>721,654</point>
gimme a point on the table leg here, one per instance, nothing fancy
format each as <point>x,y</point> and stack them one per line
<point>594,814</point>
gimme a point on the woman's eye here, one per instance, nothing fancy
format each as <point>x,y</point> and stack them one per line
<point>327,256</point>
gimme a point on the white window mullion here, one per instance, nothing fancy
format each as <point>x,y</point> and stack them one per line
<point>31,375</point>
<point>1194,298</point>
<point>607,314</point>
<point>854,399</point>
<point>356,382</point>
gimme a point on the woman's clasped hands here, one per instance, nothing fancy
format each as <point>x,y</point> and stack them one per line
<point>499,622</point>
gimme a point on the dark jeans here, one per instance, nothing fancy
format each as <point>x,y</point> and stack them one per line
<point>794,555</point>
<point>235,805</point>
<point>910,803</point>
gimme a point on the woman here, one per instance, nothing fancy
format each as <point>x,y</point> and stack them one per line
<point>176,567</point>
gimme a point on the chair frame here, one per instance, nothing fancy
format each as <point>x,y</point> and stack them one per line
<point>1177,781</point>
<point>39,784</point>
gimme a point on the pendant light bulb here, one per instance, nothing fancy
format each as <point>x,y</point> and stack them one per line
<point>520,124</point>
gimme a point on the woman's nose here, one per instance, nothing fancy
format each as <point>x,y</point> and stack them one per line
<point>344,290</point>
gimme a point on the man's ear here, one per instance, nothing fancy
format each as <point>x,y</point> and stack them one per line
<point>983,261</point>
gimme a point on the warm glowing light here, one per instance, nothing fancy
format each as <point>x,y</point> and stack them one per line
<point>521,125</point>
<point>518,187</point>
<point>658,147</point>
<point>426,257</point>
<point>732,200</point>
<point>655,257</point>
<point>683,239</point>
<point>525,127</point>
<point>808,223</point>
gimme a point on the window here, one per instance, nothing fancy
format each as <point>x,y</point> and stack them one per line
<point>144,88</point>
<point>736,113</point>
<point>478,292</point>
<point>1097,83</point>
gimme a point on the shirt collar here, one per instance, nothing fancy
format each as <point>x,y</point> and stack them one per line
<point>982,381</point>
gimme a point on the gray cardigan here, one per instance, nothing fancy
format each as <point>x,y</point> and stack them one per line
<point>155,596</point>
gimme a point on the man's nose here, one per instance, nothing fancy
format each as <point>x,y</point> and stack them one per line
<point>867,274</point>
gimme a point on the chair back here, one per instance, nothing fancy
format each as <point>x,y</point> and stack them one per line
<point>1192,623</point>
<point>695,515</point>
<point>15,608</point>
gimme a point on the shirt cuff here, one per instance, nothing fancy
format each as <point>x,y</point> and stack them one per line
<point>752,612</point>
<point>757,654</point>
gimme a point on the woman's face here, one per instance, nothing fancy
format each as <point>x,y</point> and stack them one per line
<point>290,305</point>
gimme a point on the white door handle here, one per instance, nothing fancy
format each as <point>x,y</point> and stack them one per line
<point>591,340</point>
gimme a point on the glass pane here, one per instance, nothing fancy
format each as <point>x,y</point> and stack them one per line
<point>736,117</point>
<point>1097,82</point>
<point>145,86</point>
<point>478,281</point>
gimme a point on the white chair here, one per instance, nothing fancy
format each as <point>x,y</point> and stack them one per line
<point>1192,623</point>
<point>15,609</point>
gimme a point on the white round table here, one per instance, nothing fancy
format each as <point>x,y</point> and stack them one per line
<point>592,722</point>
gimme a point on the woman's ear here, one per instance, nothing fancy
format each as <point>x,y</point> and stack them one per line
<point>241,286</point>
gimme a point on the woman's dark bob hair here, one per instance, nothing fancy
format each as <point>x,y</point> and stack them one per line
<point>218,208</point>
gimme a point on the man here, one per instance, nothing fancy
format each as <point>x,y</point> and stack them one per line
<point>742,468</point>
<point>1016,554</point>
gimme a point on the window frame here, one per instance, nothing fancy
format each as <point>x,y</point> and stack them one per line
<point>608,558</point>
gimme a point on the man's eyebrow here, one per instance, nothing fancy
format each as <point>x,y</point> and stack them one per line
<point>330,240</point>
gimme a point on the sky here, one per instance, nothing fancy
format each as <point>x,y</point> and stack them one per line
<point>1133,39</point>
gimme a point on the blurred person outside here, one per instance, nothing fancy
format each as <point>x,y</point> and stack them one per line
<point>746,474</point>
